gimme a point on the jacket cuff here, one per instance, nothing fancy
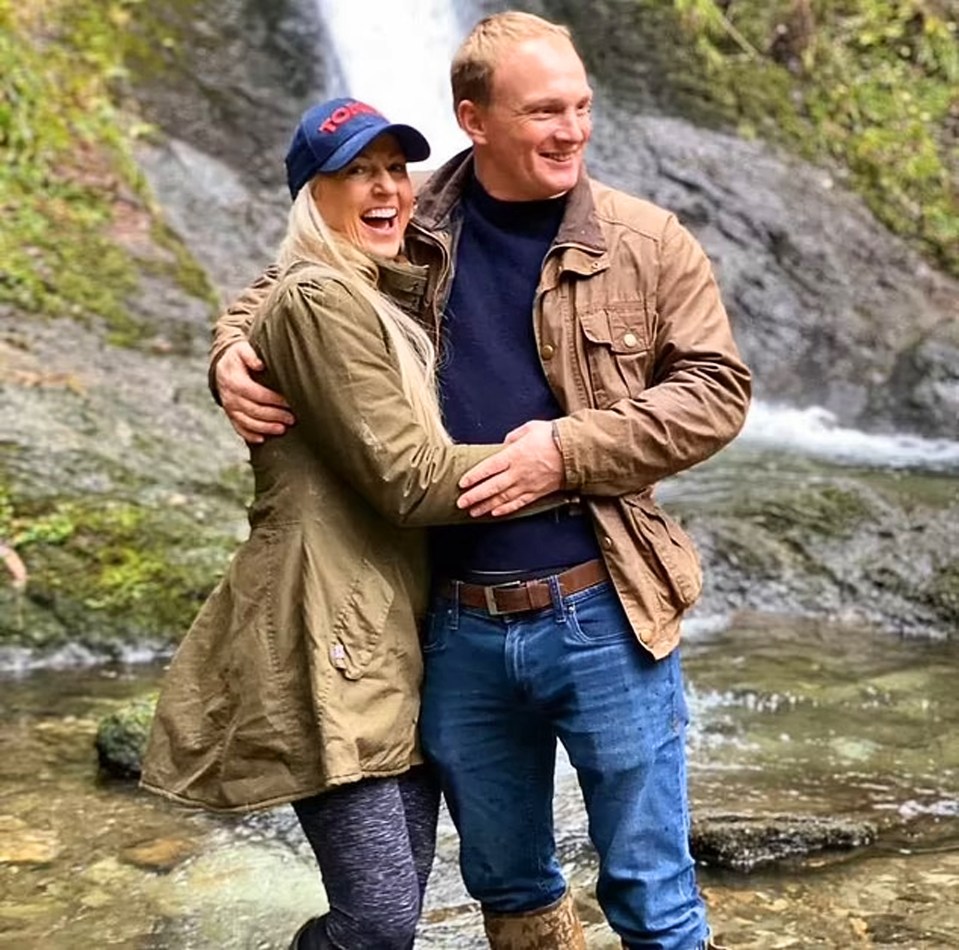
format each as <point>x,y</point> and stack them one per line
<point>562,430</point>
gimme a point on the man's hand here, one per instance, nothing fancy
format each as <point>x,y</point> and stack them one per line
<point>253,410</point>
<point>529,468</point>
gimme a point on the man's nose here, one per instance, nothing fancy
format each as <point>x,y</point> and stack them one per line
<point>574,126</point>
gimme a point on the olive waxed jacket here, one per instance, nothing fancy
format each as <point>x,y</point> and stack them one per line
<point>637,347</point>
<point>302,671</point>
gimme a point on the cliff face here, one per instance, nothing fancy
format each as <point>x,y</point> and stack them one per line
<point>142,155</point>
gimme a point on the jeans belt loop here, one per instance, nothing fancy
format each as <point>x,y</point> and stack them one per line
<point>556,595</point>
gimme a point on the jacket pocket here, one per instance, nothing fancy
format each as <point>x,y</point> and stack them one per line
<point>358,628</point>
<point>669,551</point>
<point>617,349</point>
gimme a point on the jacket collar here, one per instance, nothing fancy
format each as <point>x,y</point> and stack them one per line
<point>437,200</point>
<point>404,283</point>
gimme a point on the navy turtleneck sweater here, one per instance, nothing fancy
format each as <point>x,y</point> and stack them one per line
<point>491,380</point>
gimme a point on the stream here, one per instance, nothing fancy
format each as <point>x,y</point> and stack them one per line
<point>788,716</point>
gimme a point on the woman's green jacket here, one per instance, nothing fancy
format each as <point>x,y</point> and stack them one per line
<point>302,671</point>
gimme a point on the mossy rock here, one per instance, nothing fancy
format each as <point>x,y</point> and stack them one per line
<point>122,737</point>
<point>746,842</point>
<point>105,573</point>
<point>942,593</point>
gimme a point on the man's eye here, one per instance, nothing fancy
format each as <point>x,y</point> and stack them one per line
<point>356,171</point>
<point>398,168</point>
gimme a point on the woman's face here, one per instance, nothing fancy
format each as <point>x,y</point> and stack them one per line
<point>370,200</point>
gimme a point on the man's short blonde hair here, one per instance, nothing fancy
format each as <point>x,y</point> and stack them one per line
<point>471,74</point>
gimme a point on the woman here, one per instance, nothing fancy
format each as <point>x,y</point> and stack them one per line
<point>299,680</point>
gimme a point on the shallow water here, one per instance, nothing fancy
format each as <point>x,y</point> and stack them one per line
<point>787,717</point>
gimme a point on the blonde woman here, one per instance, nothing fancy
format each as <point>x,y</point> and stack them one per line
<point>299,680</point>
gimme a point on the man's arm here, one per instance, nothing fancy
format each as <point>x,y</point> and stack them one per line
<point>696,405</point>
<point>253,410</point>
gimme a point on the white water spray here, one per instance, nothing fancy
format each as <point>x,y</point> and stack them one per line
<point>816,432</point>
<point>396,56</point>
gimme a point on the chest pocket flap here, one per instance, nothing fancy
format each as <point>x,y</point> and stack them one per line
<point>620,325</point>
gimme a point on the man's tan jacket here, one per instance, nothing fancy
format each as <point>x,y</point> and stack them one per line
<point>637,347</point>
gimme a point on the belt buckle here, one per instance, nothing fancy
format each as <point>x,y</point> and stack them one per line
<point>491,606</point>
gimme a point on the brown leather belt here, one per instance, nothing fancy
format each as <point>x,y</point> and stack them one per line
<point>520,596</point>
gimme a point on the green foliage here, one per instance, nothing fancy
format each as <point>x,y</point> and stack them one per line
<point>110,570</point>
<point>21,530</point>
<point>872,85</point>
<point>65,161</point>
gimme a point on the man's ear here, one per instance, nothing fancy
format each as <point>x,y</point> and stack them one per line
<point>471,118</point>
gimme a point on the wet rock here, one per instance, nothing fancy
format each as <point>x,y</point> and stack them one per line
<point>746,842</point>
<point>796,539</point>
<point>161,855</point>
<point>826,304</point>
<point>21,844</point>
<point>122,736</point>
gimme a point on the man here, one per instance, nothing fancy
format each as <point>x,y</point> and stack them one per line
<point>596,316</point>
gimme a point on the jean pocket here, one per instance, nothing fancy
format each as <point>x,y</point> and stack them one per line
<point>598,618</point>
<point>435,625</point>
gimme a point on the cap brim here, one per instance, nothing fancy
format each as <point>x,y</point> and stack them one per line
<point>413,143</point>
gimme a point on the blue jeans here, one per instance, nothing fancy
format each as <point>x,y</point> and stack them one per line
<point>498,692</point>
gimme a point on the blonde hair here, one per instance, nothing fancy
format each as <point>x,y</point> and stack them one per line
<point>311,248</point>
<point>471,74</point>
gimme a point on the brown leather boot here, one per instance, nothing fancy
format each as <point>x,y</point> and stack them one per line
<point>555,927</point>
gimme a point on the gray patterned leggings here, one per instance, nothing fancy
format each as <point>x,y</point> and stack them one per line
<point>374,842</point>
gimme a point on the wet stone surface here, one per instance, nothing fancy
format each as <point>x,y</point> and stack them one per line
<point>838,727</point>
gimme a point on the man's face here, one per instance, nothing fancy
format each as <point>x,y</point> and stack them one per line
<point>530,139</point>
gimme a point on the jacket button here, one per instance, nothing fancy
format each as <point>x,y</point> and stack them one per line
<point>630,339</point>
<point>645,635</point>
<point>607,542</point>
<point>548,351</point>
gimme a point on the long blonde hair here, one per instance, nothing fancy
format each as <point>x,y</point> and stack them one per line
<point>311,243</point>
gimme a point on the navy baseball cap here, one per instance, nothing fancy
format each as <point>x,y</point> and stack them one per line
<point>333,133</point>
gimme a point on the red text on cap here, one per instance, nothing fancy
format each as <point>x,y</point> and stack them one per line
<point>344,114</point>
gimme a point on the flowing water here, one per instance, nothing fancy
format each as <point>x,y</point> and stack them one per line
<point>403,73</point>
<point>788,717</point>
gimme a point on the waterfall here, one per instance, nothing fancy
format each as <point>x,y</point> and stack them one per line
<point>396,56</point>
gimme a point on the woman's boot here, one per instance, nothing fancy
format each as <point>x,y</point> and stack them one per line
<point>311,936</point>
<point>555,927</point>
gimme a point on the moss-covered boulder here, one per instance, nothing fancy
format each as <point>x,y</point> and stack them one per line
<point>122,736</point>
<point>796,537</point>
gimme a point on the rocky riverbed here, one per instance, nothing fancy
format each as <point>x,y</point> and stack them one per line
<point>822,757</point>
